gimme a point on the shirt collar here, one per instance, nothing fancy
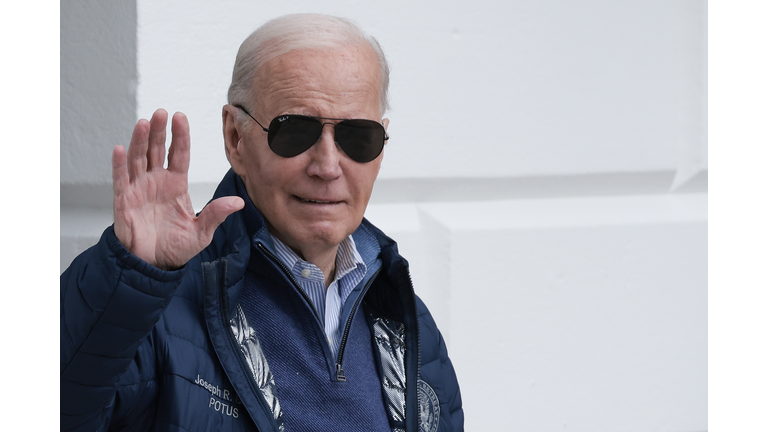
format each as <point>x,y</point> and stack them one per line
<point>347,259</point>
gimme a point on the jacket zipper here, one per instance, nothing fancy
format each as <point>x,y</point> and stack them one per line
<point>223,312</point>
<point>418,346</point>
<point>418,354</point>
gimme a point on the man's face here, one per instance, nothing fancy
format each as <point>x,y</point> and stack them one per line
<point>314,200</point>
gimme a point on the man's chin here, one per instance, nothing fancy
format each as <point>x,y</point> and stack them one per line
<point>312,235</point>
<point>325,236</point>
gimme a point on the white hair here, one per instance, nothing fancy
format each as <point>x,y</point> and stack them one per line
<point>299,31</point>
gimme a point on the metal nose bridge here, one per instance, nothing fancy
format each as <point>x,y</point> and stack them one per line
<point>323,128</point>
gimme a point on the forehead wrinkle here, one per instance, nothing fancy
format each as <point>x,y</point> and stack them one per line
<point>291,82</point>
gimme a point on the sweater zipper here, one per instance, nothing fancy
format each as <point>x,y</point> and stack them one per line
<point>339,370</point>
<point>340,376</point>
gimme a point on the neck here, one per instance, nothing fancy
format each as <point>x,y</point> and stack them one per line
<point>324,259</point>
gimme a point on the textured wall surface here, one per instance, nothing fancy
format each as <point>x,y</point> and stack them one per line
<point>98,86</point>
<point>546,178</point>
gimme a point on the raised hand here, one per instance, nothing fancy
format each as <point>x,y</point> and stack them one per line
<point>154,218</point>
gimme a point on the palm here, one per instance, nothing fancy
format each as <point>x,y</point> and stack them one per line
<point>154,218</point>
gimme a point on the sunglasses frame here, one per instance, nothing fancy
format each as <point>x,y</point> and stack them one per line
<point>319,119</point>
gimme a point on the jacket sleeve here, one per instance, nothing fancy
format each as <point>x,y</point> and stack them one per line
<point>110,302</point>
<point>437,371</point>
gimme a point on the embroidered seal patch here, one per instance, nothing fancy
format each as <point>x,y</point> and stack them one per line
<point>429,408</point>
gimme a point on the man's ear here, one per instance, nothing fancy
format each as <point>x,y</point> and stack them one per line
<point>385,123</point>
<point>232,138</point>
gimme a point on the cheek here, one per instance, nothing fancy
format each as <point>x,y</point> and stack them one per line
<point>363,179</point>
<point>259,177</point>
<point>259,163</point>
<point>371,171</point>
<point>275,175</point>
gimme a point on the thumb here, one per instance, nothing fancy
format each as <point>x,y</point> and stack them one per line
<point>216,212</point>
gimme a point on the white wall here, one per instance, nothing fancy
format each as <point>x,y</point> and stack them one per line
<point>546,178</point>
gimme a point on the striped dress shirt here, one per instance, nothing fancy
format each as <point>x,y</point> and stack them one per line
<point>350,270</point>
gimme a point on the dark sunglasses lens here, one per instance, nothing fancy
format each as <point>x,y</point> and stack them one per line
<point>361,140</point>
<point>291,135</point>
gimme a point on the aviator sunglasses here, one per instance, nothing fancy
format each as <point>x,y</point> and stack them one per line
<point>290,135</point>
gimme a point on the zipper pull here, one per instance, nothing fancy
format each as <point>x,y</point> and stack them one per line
<point>340,373</point>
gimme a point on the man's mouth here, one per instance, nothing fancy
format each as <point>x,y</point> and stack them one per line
<point>313,201</point>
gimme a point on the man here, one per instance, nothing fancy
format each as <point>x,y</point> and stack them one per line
<point>278,307</point>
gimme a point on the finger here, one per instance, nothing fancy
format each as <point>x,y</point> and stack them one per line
<point>119,170</point>
<point>215,213</point>
<point>156,150</point>
<point>178,155</point>
<point>137,150</point>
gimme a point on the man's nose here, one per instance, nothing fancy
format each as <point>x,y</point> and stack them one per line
<point>325,155</point>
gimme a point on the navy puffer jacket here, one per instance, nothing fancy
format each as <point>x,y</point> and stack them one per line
<point>147,349</point>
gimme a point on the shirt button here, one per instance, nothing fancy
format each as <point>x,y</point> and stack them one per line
<point>305,273</point>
